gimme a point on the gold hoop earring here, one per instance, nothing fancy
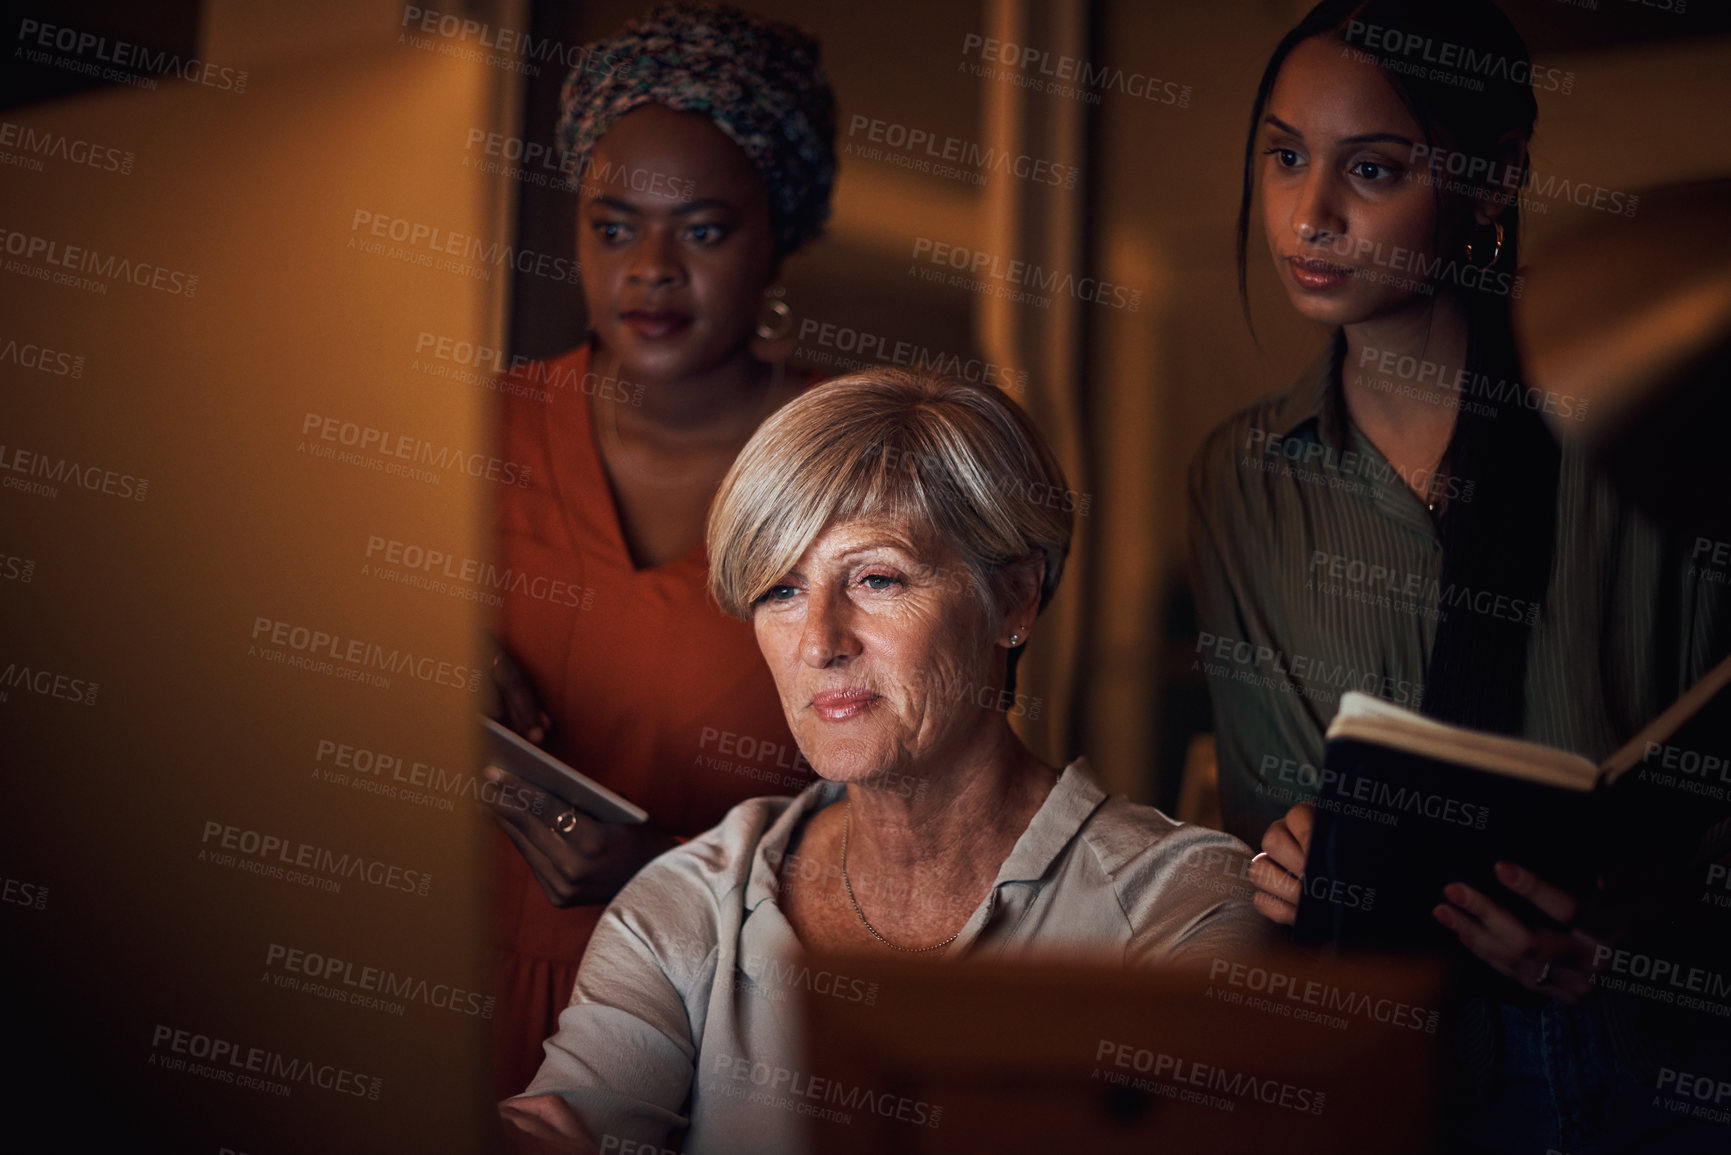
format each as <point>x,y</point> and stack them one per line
<point>779,320</point>
<point>1495,253</point>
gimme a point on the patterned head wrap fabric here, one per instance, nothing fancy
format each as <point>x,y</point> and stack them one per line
<point>760,82</point>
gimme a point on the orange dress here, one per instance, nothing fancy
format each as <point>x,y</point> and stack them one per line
<point>652,690</point>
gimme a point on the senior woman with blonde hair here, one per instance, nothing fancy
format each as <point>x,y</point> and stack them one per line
<point>892,540</point>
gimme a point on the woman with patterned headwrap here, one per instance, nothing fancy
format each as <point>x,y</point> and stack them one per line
<point>703,153</point>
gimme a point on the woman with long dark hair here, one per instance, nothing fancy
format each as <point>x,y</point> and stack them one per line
<point>1401,521</point>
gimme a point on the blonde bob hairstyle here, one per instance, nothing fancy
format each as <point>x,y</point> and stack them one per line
<point>951,458</point>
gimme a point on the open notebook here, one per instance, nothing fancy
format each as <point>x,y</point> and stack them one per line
<point>1406,805</point>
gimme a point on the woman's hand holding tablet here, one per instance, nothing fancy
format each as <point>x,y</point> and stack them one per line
<point>576,858</point>
<point>582,841</point>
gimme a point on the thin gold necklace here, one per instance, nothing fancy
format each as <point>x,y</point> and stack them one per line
<point>1431,497</point>
<point>626,459</point>
<point>846,828</point>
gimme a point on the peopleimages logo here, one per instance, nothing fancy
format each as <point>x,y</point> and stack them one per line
<point>1313,461</point>
<point>47,684</point>
<point>1460,64</point>
<point>42,474</point>
<point>38,39</point>
<point>42,142</point>
<point>778,978</point>
<point>41,358</point>
<point>1323,996</point>
<point>35,896</point>
<point>270,854</point>
<point>1667,975</point>
<point>1388,587</point>
<point>1248,659</point>
<point>919,148</point>
<point>520,51</point>
<point>815,1096</point>
<point>517,374</point>
<point>422,783</point>
<point>1176,1073</point>
<point>16,569</point>
<point>469,578</point>
<point>848,349</point>
<point>259,1068</point>
<point>82,259</point>
<point>1499,391</point>
<point>383,450</point>
<point>1020,487</point>
<point>1338,790</point>
<point>1068,76</point>
<point>1711,555</point>
<point>359,985</point>
<point>361,654</point>
<point>1026,277</point>
<point>1467,174</point>
<point>427,245</point>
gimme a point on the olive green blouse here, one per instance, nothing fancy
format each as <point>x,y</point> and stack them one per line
<point>1316,570</point>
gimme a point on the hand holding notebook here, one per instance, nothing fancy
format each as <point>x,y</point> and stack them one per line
<point>1407,806</point>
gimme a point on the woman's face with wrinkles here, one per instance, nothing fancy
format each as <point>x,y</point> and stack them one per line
<point>883,650</point>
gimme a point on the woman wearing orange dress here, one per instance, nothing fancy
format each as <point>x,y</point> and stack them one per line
<point>701,140</point>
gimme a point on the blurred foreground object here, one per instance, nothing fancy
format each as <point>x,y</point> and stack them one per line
<point>1632,318</point>
<point>1287,1053</point>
